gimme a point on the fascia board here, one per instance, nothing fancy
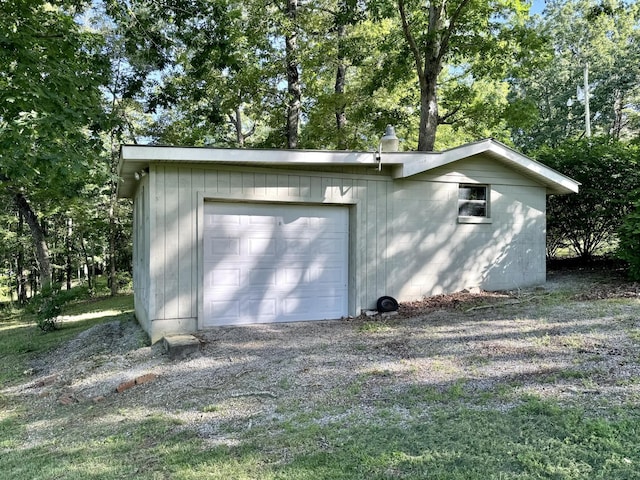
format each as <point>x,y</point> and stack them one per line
<point>559,183</point>
<point>555,181</point>
<point>244,156</point>
<point>134,158</point>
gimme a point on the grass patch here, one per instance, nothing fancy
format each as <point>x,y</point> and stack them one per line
<point>538,439</point>
<point>444,426</point>
<point>21,340</point>
<point>374,327</point>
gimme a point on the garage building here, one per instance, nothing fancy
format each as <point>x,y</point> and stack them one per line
<point>239,236</point>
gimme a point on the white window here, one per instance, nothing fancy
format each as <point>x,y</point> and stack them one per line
<point>473,201</point>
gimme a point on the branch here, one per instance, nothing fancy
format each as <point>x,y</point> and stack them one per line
<point>442,120</point>
<point>262,393</point>
<point>452,25</point>
<point>412,42</point>
<point>251,131</point>
<point>505,303</point>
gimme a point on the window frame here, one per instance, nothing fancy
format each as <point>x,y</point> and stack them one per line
<point>486,218</point>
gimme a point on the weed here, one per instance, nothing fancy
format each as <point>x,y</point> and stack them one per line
<point>374,327</point>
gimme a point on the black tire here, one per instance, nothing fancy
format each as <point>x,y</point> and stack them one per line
<point>387,304</point>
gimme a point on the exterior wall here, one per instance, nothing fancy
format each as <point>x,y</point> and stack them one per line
<point>405,238</point>
<point>141,246</point>
<point>434,253</point>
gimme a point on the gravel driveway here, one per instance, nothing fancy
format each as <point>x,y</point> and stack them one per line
<point>577,340</point>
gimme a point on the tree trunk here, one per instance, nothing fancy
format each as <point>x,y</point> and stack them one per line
<point>39,238</point>
<point>293,76</point>
<point>69,249</point>
<point>21,280</point>
<point>112,246</point>
<point>238,127</point>
<point>86,262</point>
<point>341,74</point>
<point>428,62</point>
<point>618,105</point>
<point>428,113</point>
<point>236,121</point>
<point>341,116</point>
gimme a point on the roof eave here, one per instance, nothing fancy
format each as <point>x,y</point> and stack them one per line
<point>555,182</point>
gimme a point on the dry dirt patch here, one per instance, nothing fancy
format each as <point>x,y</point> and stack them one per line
<point>494,346</point>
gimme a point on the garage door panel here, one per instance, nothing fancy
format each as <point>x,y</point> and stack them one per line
<point>293,276</point>
<point>261,310</point>
<point>225,311</point>
<point>224,246</point>
<point>294,247</point>
<point>312,307</point>
<point>328,275</point>
<point>224,277</point>
<point>216,221</point>
<point>297,306</point>
<point>260,246</point>
<point>261,277</point>
<point>269,263</point>
<point>260,220</point>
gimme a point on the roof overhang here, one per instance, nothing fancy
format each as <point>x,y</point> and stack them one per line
<point>555,182</point>
<point>135,158</point>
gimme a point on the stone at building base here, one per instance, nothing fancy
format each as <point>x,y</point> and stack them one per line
<point>181,346</point>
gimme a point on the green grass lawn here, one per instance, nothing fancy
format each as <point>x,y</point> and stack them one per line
<point>21,340</point>
<point>423,433</point>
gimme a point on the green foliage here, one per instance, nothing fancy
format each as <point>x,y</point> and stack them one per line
<point>51,111</point>
<point>49,304</point>
<point>48,308</point>
<point>50,101</point>
<point>580,33</point>
<point>629,241</point>
<point>609,174</point>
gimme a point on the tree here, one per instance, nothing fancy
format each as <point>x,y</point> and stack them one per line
<point>629,247</point>
<point>596,38</point>
<point>50,109</point>
<point>609,175</point>
<point>223,72</point>
<point>461,33</point>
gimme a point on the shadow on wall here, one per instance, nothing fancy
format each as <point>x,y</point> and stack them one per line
<point>416,250</point>
<point>442,256</point>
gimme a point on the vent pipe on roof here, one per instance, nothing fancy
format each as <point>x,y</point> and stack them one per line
<point>388,143</point>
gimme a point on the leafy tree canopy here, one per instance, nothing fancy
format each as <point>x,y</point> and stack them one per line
<point>609,173</point>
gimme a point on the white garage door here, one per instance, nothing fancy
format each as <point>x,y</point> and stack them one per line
<point>274,263</point>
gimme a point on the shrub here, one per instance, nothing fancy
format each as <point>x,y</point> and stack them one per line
<point>629,242</point>
<point>608,172</point>
<point>49,304</point>
<point>48,307</point>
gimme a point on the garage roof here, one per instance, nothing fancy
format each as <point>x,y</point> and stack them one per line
<point>134,158</point>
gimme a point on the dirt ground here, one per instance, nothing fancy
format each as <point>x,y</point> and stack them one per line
<point>554,342</point>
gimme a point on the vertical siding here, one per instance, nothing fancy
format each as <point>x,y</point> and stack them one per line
<point>199,181</point>
<point>141,246</point>
<point>406,239</point>
<point>158,233</point>
<point>186,219</point>
<point>171,223</point>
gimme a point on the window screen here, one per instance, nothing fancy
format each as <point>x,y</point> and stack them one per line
<point>472,201</point>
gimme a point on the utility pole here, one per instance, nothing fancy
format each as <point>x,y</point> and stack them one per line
<point>587,113</point>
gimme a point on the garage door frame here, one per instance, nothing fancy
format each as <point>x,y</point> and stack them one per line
<point>353,212</point>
